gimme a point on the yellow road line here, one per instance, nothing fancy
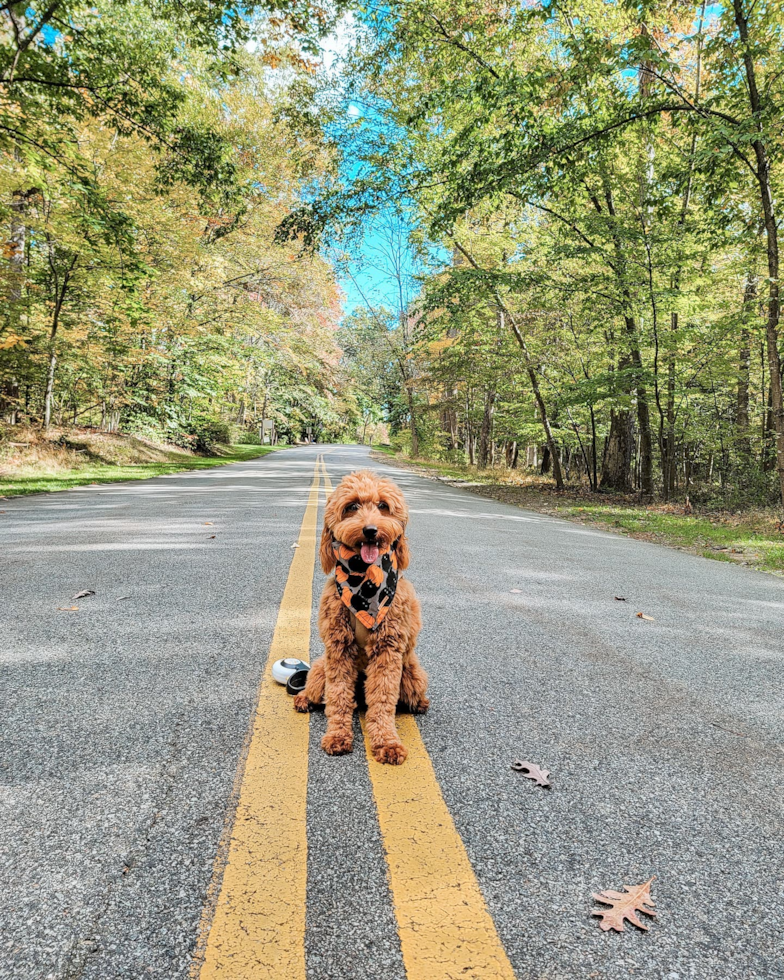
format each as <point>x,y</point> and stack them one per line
<point>258,926</point>
<point>325,477</point>
<point>446,932</point>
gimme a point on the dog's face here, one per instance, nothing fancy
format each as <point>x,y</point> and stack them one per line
<point>366,513</point>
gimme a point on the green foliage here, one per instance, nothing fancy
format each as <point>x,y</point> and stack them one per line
<point>140,272</point>
<point>598,184</point>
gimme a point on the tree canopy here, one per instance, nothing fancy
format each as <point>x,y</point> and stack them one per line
<point>590,193</point>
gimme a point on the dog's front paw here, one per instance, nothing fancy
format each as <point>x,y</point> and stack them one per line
<point>338,744</point>
<point>302,703</point>
<point>394,754</point>
<point>420,708</point>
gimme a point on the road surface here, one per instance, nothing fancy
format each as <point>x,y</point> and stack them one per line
<point>139,733</point>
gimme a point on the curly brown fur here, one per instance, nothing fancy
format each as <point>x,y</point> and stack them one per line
<point>386,657</point>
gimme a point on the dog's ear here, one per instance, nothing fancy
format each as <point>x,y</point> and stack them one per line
<point>326,552</point>
<point>402,552</point>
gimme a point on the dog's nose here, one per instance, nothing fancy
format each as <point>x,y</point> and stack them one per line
<point>370,531</point>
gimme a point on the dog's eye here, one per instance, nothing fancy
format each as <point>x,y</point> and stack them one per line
<point>383,505</point>
<point>351,507</point>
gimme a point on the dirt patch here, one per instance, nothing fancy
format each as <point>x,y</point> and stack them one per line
<point>25,450</point>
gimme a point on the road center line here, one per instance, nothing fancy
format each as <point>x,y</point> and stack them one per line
<point>258,926</point>
<point>446,932</point>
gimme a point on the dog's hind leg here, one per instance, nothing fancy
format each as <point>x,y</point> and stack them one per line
<point>314,688</point>
<point>413,685</point>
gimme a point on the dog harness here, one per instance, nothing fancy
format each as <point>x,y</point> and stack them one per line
<point>366,590</point>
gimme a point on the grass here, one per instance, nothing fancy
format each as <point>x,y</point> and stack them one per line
<point>749,537</point>
<point>44,469</point>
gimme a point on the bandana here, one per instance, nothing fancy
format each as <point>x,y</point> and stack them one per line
<point>367,589</point>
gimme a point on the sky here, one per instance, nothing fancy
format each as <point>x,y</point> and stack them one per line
<point>378,260</point>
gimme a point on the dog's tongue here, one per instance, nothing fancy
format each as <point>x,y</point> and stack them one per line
<point>369,553</point>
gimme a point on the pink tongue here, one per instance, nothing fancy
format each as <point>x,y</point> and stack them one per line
<point>369,553</point>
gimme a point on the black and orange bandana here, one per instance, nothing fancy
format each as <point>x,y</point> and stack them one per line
<point>366,588</point>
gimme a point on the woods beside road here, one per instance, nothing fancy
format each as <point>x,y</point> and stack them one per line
<point>507,238</point>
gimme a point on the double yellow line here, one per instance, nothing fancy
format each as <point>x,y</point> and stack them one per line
<point>254,923</point>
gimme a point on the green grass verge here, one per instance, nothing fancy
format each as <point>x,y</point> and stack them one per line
<point>28,482</point>
<point>747,538</point>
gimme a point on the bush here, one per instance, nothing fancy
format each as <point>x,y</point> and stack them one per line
<point>248,437</point>
<point>208,433</point>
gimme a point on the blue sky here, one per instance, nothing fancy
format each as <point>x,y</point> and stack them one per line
<point>380,260</point>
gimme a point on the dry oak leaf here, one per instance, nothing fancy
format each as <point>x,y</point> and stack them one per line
<point>643,616</point>
<point>625,905</point>
<point>530,771</point>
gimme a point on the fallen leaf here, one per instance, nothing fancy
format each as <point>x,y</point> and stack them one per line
<point>295,546</point>
<point>530,771</point>
<point>68,609</point>
<point>81,595</point>
<point>620,598</point>
<point>625,905</point>
<point>643,616</point>
<point>208,523</point>
<point>518,591</point>
<point>211,537</point>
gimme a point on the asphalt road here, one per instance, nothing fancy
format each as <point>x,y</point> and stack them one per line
<point>123,725</point>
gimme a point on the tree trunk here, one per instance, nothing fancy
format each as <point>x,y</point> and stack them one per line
<point>49,394</point>
<point>483,457</point>
<point>59,290</point>
<point>771,233</point>
<point>743,433</point>
<point>412,417</point>
<point>640,389</point>
<point>618,453</point>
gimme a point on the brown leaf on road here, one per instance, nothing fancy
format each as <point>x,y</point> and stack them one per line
<point>82,594</point>
<point>620,598</point>
<point>530,771</point>
<point>208,523</point>
<point>643,616</point>
<point>211,537</point>
<point>68,609</point>
<point>625,905</point>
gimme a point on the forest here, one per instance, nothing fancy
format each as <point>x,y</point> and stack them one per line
<point>571,211</point>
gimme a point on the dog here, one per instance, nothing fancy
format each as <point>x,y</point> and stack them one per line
<point>369,618</point>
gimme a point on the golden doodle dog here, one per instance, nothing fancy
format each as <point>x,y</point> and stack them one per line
<point>369,618</point>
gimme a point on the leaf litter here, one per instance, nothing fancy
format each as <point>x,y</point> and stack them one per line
<point>650,619</point>
<point>83,594</point>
